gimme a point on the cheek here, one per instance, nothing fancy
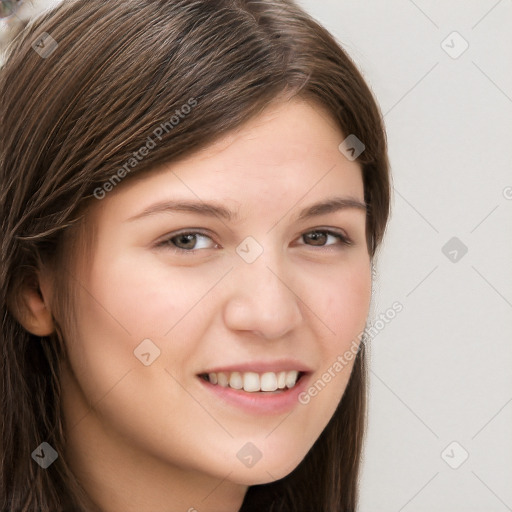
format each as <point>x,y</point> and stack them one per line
<point>343,299</point>
<point>124,299</point>
<point>112,307</point>
<point>147,295</point>
<point>101,351</point>
<point>343,302</point>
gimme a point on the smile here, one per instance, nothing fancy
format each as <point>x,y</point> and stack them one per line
<point>253,382</point>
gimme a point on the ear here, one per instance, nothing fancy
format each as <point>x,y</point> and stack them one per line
<point>32,307</point>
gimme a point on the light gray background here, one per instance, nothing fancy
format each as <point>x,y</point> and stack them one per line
<point>441,371</point>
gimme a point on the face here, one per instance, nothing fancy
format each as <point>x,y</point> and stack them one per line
<point>219,272</point>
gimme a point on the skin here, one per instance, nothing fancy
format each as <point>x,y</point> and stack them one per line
<point>152,438</point>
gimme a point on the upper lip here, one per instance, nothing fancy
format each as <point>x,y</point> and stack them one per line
<point>285,365</point>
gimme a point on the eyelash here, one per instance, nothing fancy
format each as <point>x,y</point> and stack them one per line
<point>166,244</point>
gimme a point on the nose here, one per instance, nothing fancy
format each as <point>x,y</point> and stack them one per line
<point>262,300</point>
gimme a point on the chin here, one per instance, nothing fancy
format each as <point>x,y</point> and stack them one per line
<point>262,473</point>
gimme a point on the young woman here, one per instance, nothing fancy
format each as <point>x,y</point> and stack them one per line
<point>192,196</point>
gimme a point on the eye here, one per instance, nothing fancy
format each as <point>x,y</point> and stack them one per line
<point>186,242</point>
<point>319,238</point>
<point>192,241</point>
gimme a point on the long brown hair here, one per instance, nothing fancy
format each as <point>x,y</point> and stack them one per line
<point>82,88</point>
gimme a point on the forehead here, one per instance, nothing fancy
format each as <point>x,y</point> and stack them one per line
<point>284,131</point>
<point>288,152</point>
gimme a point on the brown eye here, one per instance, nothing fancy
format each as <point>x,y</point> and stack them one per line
<point>186,242</point>
<point>316,237</point>
<point>319,238</point>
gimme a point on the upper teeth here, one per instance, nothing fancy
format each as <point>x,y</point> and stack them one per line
<point>252,382</point>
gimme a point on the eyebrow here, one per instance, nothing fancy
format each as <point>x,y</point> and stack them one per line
<point>214,209</point>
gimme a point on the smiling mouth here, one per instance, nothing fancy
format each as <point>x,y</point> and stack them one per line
<point>252,382</point>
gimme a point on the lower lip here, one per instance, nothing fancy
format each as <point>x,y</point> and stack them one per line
<point>259,402</point>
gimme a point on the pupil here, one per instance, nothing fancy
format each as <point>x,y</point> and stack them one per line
<point>317,236</point>
<point>187,238</point>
